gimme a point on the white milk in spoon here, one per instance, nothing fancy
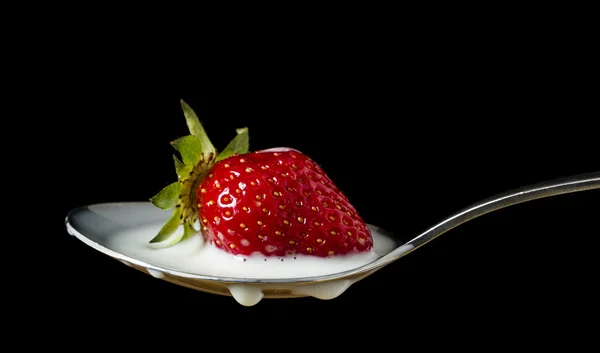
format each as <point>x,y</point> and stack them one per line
<point>194,256</point>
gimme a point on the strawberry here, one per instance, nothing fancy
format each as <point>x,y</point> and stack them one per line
<point>275,202</point>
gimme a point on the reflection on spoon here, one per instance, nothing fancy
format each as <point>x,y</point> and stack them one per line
<point>121,230</point>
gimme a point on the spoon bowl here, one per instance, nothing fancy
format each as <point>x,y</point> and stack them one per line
<point>97,225</point>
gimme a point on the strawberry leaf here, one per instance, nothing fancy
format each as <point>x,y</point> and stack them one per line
<point>188,231</point>
<point>239,145</point>
<point>167,197</point>
<point>190,149</point>
<point>173,240</point>
<point>169,227</point>
<point>196,128</point>
<point>182,169</point>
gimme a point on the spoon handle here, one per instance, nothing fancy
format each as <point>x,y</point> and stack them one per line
<point>554,187</point>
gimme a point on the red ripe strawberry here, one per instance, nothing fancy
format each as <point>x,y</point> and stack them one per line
<point>278,203</point>
<point>274,202</point>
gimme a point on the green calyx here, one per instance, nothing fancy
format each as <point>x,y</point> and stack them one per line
<point>198,156</point>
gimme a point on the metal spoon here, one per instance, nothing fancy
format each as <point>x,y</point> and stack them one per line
<point>82,224</point>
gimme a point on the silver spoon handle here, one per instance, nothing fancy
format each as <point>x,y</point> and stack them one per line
<point>554,187</point>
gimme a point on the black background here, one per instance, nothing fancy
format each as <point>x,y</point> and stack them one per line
<point>410,140</point>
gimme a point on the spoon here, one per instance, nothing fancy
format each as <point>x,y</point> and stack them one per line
<point>94,230</point>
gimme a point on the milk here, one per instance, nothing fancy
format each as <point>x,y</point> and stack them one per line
<point>197,257</point>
